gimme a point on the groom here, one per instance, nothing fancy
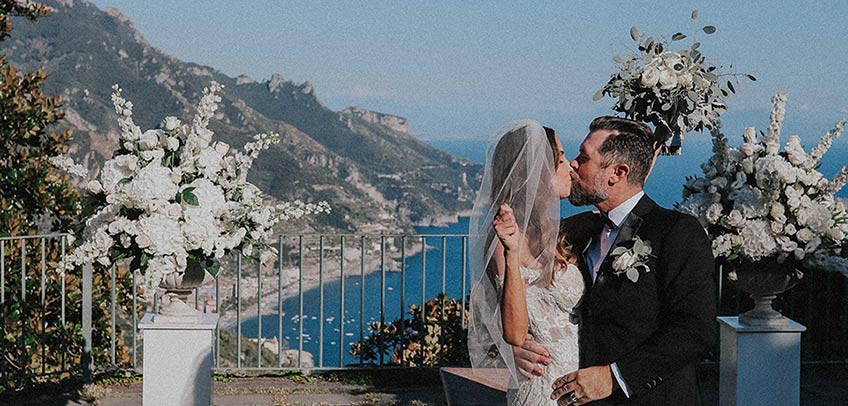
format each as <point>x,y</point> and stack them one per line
<point>648,314</point>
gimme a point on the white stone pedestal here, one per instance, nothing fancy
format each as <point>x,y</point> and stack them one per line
<point>759,365</point>
<point>177,361</point>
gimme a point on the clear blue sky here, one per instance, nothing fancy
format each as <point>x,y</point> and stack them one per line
<point>462,69</point>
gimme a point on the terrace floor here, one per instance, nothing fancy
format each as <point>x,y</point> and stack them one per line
<point>820,385</point>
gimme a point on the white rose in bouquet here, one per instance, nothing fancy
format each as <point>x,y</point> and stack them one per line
<point>668,79</point>
<point>150,139</point>
<point>170,123</point>
<point>650,77</point>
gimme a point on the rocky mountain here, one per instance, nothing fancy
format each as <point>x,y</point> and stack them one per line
<point>375,174</point>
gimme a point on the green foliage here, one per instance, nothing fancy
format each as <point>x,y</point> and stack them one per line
<point>439,339</point>
<point>33,338</point>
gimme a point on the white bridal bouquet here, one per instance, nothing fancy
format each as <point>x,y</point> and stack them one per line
<point>677,90</point>
<point>170,196</point>
<point>758,202</point>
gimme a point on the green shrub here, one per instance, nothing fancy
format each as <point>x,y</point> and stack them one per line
<point>437,339</point>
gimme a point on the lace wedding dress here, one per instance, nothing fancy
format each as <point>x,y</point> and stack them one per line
<point>521,171</point>
<point>552,325</point>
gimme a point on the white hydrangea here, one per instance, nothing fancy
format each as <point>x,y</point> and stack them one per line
<point>759,242</point>
<point>153,182</point>
<point>201,230</point>
<point>209,196</point>
<point>817,218</point>
<point>163,234</point>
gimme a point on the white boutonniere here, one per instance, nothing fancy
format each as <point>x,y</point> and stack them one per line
<point>627,261</point>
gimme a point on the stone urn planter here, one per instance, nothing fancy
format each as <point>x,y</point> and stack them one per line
<point>763,281</point>
<point>177,286</point>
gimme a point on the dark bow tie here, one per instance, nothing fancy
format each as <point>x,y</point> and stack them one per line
<point>607,222</point>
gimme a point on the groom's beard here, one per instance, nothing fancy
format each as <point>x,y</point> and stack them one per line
<point>581,196</point>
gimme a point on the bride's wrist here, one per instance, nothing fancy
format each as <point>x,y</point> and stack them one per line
<point>510,253</point>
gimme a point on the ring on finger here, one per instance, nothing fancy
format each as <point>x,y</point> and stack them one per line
<point>573,397</point>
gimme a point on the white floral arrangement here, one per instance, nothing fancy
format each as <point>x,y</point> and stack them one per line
<point>173,195</point>
<point>676,90</point>
<point>758,202</point>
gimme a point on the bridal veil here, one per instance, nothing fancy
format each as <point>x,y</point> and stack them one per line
<point>519,171</point>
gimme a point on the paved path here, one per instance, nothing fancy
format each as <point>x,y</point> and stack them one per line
<point>277,391</point>
<point>823,385</point>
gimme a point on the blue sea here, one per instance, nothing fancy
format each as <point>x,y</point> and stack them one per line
<point>665,186</point>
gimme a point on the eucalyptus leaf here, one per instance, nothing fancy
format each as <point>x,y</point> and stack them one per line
<point>598,95</point>
<point>730,86</point>
<point>124,181</point>
<point>634,33</point>
<point>691,94</point>
<point>677,37</point>
<point>709,29</point>
<point>753,79</point>
<point>695,46</point>
<point>694,15</point>
<point>617,59</point>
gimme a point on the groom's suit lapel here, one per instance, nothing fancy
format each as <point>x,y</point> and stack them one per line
<point>629,228</point>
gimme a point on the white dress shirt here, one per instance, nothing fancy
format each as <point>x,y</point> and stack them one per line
<point>599,249</point>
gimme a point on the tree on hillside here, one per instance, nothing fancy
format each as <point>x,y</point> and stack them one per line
<point>36,197</point>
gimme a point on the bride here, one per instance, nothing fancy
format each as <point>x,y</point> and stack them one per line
<point>525,278</point>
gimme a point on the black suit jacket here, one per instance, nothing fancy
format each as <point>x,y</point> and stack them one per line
<point>656,328</point>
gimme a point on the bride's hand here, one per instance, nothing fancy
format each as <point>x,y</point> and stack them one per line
<point>507,229</point>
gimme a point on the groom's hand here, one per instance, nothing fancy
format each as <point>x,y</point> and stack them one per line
<point>583,386</point>
<point>530,358</point>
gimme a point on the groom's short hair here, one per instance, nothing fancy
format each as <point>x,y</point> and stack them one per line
<point>630,142</point>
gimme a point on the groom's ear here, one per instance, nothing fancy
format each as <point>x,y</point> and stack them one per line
<point>620,172</point>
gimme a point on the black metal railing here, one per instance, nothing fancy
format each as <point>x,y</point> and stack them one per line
<point>321,295</point>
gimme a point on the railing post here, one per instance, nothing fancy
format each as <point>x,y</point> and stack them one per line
<point>87,358</point>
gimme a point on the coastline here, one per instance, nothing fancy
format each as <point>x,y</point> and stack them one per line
<point>442,220</point>
<point>270,300</point>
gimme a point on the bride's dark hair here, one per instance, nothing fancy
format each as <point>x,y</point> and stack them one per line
<point>508,179</point>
